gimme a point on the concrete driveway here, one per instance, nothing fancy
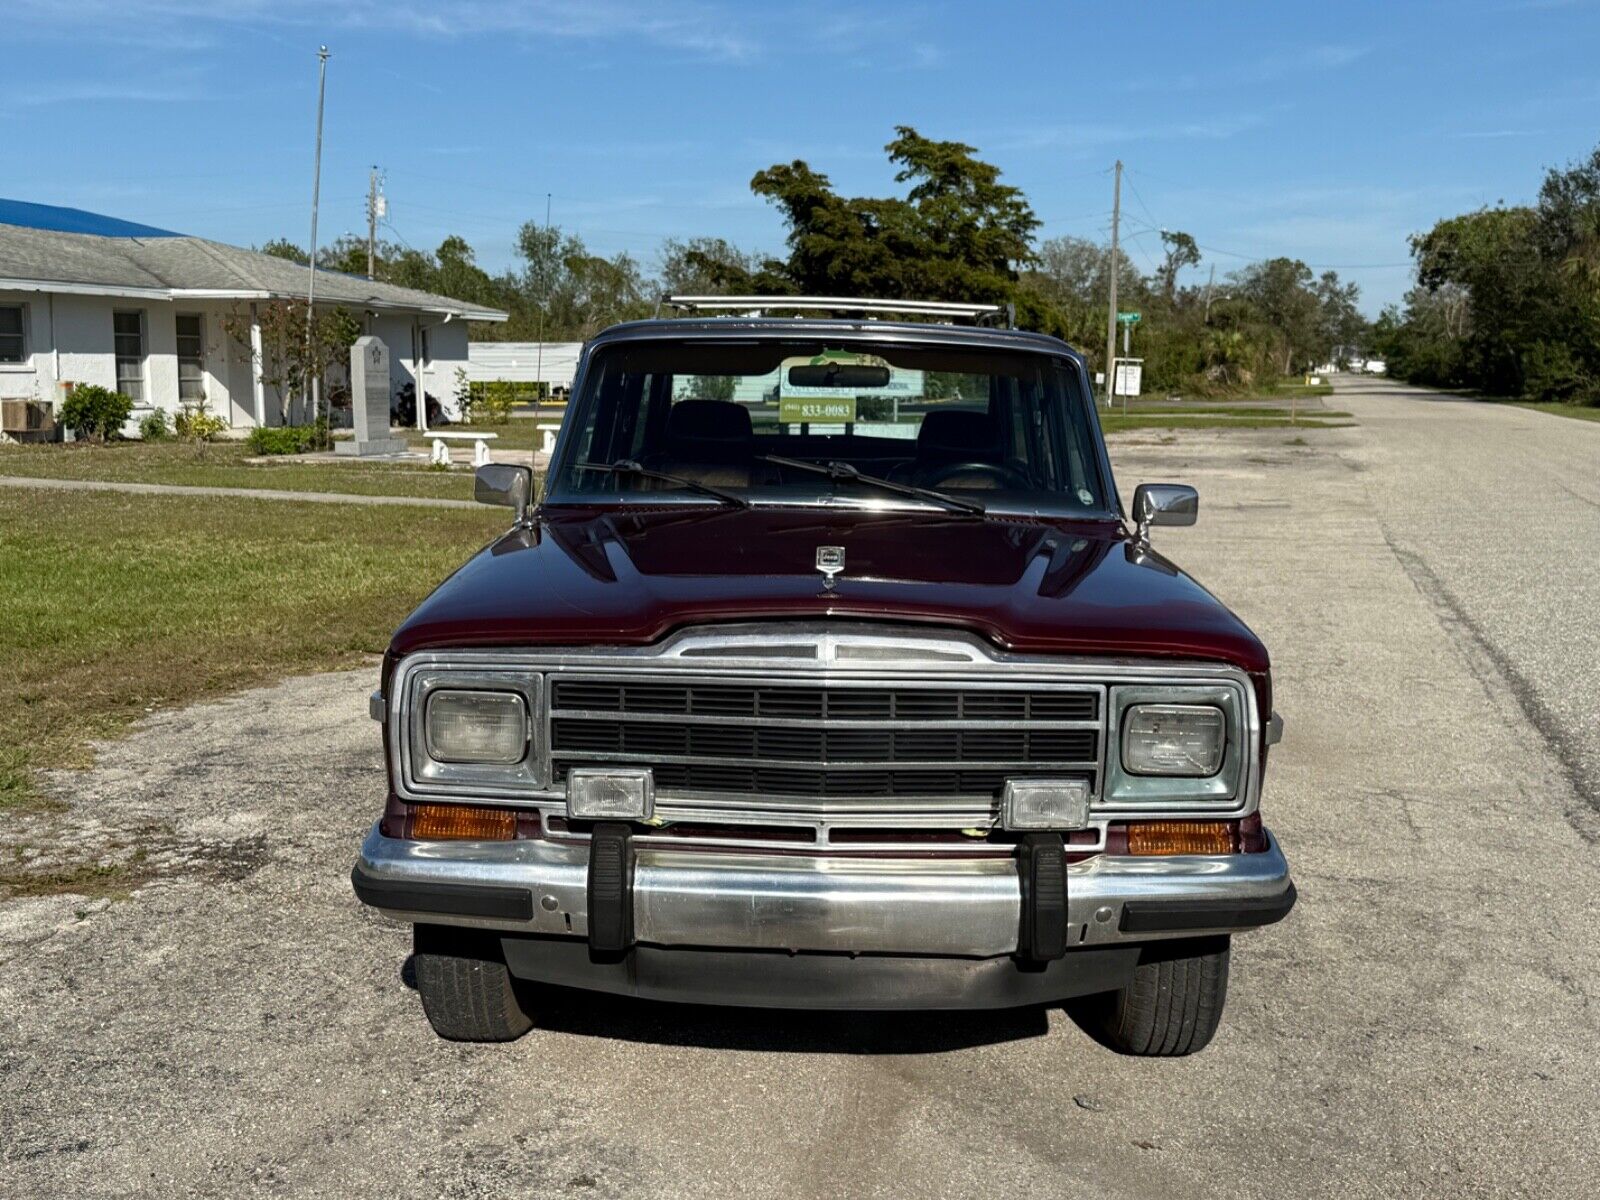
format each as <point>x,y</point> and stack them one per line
<point>1423,1024</point>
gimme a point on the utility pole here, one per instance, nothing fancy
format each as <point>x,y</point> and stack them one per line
<point>1210,279</point>
<point>544,303</point>
<point>1111,312</point>
<point>377,206</point>
<point>316,194</point>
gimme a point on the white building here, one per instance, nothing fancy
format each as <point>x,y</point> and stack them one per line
<point>90,299</point>
<point>550,363</point>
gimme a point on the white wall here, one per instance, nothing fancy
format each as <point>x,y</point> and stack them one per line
<point>524,362</point>
<point>75,331</point>
<point>447,351</point>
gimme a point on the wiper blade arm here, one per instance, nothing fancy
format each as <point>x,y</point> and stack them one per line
<point>844,471</point>
<point>627,467</point>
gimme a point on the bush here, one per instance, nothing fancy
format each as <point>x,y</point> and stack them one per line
<point>195,423</point>
<point>1550,371</point>
<point>95,413</point>
<point>488,403</point>
<point>290,439</point>
<point>154,426</point>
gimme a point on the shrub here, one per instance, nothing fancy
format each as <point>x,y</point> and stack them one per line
<point>196,423</point>
<point>154,426</point>
<point>290,439</point>
<point>1550,371</point>
<point>95,413</point>
<point>488,403</point>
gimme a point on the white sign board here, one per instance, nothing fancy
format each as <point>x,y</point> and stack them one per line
<point>1129,376</point>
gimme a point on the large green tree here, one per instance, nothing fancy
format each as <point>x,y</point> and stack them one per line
<point>1508,298</point>
<point>958,233</point>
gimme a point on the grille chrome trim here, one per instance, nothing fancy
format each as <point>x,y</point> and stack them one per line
<point>810,779</point>
<point>838,655</point>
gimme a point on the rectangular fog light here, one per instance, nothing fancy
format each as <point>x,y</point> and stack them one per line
<point>1045,804</point>
<point>610,795</point>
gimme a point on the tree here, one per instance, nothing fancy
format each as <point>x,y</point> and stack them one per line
<point>290,359</point>
<point>578,293</point>
<point>957,234</point>
<point>704,266</point>
<point>1181,252</point>
<point>1280,291</point>
<point>1340,323</point>
<point>284,248</point>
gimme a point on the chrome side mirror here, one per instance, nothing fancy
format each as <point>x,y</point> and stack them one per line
<point>1164,504</point>
<point>505,485</point>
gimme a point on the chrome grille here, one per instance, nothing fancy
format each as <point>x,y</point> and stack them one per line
<point>845,740</point>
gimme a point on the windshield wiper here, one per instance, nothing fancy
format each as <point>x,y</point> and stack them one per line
<point>628,467</point>
<point>844,471</point>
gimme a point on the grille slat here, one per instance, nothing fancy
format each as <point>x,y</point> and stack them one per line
<point>816,741</point>
<point>806,741</point>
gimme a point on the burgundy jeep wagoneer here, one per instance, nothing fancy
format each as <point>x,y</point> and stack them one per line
<point>829,670</point>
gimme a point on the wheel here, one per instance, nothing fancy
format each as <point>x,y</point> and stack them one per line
<point>1174,1003</point>
<point>467,991</point>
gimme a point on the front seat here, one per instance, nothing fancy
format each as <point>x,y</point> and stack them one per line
<point>709,440</point>
<point>956,435</point>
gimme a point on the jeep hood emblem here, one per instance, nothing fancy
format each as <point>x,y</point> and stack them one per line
<point>830,561</point>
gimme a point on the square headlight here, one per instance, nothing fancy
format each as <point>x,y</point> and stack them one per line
<point>619,794</point>
<point>472,726</point>
<point>1045,804</point>
<point>1174,739</point>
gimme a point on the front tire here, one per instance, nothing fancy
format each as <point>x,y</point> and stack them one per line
<point>1174,1003</point>
<point>467,991</point>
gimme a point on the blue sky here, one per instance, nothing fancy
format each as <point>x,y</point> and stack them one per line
<point>1326,132</point>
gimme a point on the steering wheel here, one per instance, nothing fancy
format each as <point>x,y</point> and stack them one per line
<point>1003,477</point>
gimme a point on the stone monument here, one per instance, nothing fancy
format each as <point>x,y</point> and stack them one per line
<point>369,401</point>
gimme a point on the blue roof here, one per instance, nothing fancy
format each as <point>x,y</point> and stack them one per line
<point>74,220</point>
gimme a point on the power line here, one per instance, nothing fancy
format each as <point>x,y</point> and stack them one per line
<point>1142,204</point>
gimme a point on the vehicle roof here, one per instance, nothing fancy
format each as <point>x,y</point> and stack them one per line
<point>905,332</point>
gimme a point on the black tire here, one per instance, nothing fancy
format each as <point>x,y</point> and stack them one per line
<point>1174,1003</point>
<point>467,991</point>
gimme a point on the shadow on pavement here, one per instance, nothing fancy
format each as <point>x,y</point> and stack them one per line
<point>803,1031</point>
<point>791,1031</point>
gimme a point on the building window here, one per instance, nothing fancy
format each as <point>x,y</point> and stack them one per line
<point>13,327</point>
<point>191,358</point>
<point>127,328</point>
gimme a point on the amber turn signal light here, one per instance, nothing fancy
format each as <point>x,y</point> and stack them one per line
<point>461,822</point>
<point>1181,837</point>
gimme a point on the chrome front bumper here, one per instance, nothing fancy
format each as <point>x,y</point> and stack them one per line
<point>930,907</point>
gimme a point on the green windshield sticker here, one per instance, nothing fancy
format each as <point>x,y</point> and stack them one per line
<point>793,410</point>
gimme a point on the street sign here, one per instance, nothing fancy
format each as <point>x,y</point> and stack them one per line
<point>1130,374</point>
<point>1129,318</point>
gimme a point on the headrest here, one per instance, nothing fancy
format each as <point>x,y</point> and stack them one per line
<point>697,429</point>
<point>957,435</point>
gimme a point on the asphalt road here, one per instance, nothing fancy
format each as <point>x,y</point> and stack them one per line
<point>1423,1024</point>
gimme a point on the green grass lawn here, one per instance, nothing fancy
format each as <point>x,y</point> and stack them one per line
<point>1581,412</point>
<point>114,605</point>
<point>225,464</point>
<point>519,433</point>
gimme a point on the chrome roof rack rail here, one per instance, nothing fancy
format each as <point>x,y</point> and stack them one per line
<point>761,305</point>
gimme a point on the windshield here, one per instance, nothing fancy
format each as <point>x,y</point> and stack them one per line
<point>991,430</point>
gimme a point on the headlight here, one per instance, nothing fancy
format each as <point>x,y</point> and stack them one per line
<point>476,727</point>
<point>1173,739</point>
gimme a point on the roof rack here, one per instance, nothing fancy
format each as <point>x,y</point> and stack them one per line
<point>978,313</point>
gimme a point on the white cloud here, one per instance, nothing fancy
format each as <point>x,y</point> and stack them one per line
<point>694,28</point>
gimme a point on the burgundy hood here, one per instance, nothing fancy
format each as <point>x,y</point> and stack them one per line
<point>628,577</point>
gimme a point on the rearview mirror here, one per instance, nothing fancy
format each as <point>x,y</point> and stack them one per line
<point>1164,504</point>
<point>505,485</point>
<point>839,375</point>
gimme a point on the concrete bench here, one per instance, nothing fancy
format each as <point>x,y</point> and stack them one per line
<point>441,448</point>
